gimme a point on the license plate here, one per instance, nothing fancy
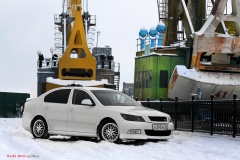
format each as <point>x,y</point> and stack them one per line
<point>160,127</point>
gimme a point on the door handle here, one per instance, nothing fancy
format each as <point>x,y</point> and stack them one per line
<point>46,107</point>
<point>71,109</point>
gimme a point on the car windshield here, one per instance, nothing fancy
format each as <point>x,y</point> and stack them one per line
<point>114,98</point>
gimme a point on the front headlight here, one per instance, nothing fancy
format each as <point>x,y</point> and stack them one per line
<point>129,117</point>
<point>169,119</point>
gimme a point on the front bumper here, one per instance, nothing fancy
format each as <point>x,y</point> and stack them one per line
<point>146,128</point>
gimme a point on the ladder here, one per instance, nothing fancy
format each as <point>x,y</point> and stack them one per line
<point>116,81</point>
<point>91,36</point>
<point>163,15</point>
<point>163,10</point>
<point>91,31</point>
<point>65,6</point>
<point>58,35</point>
<point>116,74</point>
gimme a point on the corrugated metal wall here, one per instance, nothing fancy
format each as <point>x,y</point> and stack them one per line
<point>11,102</point>
<point>148,73</point>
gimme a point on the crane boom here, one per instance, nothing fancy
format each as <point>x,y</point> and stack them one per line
<point>77,63</point>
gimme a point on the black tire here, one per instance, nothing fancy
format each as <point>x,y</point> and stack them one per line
<point>40,129</point>
<point>109,131</point>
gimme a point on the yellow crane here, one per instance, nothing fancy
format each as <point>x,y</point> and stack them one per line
<point>75,63</point>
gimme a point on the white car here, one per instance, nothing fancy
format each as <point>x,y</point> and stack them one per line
<point>94,112</point>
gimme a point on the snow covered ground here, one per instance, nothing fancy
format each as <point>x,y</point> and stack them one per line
<point>15,141</point>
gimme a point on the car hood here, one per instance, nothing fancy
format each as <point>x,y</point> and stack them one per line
<point>142,111</point>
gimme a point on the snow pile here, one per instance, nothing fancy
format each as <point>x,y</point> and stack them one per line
<point>15,141</point>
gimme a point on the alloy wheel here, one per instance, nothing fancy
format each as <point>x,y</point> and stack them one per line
<point>110,132</point>
<point>38,128</point>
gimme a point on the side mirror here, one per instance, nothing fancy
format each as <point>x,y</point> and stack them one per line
<point>87,102</point>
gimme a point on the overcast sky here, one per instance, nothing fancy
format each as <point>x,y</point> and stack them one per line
<point>27,26</point>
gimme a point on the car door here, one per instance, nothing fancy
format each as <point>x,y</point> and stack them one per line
<point>82,118</point>
<point>55,106</point>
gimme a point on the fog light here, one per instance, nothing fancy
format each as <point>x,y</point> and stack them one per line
<point>134,131</point>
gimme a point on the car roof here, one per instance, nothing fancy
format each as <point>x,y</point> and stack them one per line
<point>77,87</point>
<point>86,88</point>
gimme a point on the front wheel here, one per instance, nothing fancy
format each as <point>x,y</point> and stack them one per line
<point>39,129</point>
<point>109,131</point>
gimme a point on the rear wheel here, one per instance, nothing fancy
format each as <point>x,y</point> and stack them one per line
<point>39,129</point>
<point>109,131</point>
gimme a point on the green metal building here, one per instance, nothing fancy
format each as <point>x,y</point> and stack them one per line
<point>153,71</point>
<point>10,103</point>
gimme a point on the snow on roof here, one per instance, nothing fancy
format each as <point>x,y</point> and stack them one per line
<point>153,28</point>
<point>143,28</point>
<point>156,54</point>
<point>84,83</point>
<point>179,44</point>
<point>161,23</point>
<point>224,35</point>
<point>218,78</point>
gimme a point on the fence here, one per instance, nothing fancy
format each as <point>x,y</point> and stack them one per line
<point>212,116</point>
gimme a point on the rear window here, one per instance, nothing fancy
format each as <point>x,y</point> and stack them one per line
<point>59,96</point>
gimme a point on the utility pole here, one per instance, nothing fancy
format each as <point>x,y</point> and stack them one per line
<point>98,34</point>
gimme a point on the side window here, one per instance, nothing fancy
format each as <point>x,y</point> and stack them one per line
<point>59,96</point>
<point>143,79</point>
<point>147,78</point>
<point>140,80</point>
<point>150,79</point>
<point>136,78</point>
<point>79,96</point>
<point>163,79</point>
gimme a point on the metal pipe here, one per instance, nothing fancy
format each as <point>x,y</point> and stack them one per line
<point>86,26</point>
<point>224,28</point>
<point>234,115</point>
<point>83,6</point>
<point>188,16</point>
<point>64,33</point>
<point>192,127</point>
<point>212,97</point>
<point>98,34</point>
<point>86,5</point>
<point>176,115</point>
<point>68,7</point>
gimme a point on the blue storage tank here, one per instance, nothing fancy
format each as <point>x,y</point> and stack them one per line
<point>161,27</point>
<point>153,32</point>
<point>143,33</point>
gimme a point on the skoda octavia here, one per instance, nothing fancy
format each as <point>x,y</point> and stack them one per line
<point>106,114</point>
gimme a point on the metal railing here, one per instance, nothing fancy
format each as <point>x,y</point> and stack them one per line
<point>47,63</point>
<point>211,116</point>
<point>180,38</point>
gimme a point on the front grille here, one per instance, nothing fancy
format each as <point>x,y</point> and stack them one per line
<point>157,133</point>
<point>158,119</point>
